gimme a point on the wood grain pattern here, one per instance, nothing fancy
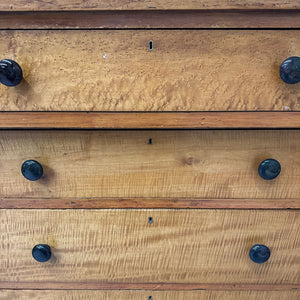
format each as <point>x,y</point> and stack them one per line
<point>144,120</point>
<point>145,202</point>
<point>120,246</point>
<point>50,285</point>
<point>201,164</point>
<point>150,19</point>
<point>188,70</point>
<point>138,295</point>
<point>25,5</point>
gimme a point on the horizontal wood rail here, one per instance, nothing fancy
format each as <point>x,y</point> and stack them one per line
<point>146,286</point>
<point>148,120</point>
<point>214,19</point>
<point>126,203</point>
<point>146,294</point>
<point>98,5</point>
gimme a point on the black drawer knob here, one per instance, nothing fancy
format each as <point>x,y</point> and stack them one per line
<point>41,252</point>
<point>290,70</point>
<point>10,72</point>
<point>259,253</point>
<point>32,170</point>
<point>269,169</point>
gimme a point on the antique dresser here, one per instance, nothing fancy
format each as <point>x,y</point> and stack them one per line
<point>150,149</point>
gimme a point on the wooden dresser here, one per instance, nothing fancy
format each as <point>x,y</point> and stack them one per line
<point>150,150</point>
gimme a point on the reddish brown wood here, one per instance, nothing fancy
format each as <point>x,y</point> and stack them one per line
<point>124,203</point>
<point>128,120</point>
<point>150,19</point>
<point>145,286</point>
<point>54,5</point>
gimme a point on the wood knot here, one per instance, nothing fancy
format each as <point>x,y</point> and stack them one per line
<point>190,161</point>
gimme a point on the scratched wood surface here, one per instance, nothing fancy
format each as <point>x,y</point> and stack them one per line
<point>25,5</point>
<point>144,295</point>
<point>203,164</point>
<point>120,246</point>
<point>187,70</point>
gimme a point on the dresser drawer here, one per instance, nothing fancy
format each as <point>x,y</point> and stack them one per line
<point>125,246</point>
<point>166,164</point>
<point>114,70</point>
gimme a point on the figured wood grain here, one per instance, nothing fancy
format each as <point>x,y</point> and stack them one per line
<point>113,70</point>
<point>119,164</point>
<point>145,202</point>
<point>144,120</point>
<point>138,295</point>
<point>50,285</point>
<point>120,246</point>
<point>150,19</point>
<point>25,5</point>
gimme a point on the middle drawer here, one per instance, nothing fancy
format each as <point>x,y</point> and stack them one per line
<point>122,246</point>
<point>197,164</point>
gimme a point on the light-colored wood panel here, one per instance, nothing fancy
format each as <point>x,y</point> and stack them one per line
<point>120,246</point>
<point>150,19</point>
<point>149,120</point>
<point>201,164</point>
<point>188,70</point>
<point>25,5</point>
<point>144,295</point>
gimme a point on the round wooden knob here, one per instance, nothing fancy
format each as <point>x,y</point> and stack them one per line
<point>269,169</point>
<point>32,170</point>
<point>290,70</point>
<point>10,72</point>
<point>259,253</point>
<point>41,252</point>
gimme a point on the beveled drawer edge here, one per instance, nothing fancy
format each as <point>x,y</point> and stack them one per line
<point>160,286</point>
<point>170,19</point>
<point>149,120</point>
<point>144,202</point>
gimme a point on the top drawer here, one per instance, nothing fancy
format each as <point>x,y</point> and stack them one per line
<point>187,70</point>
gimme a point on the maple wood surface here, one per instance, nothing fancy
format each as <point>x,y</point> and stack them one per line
<point>138,295</point>
<point>208,164</point>
<point>144,120</point>
<point>121,246</point>
<point>146,202</point>
<point>187,70</point>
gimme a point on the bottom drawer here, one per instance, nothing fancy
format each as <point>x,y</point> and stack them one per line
<point>96,248</point>
<point>148,295</point>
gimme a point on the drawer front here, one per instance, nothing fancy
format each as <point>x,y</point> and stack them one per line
<point>144,295</point>
<point>122,246</point>
<point>194,164</point>
<point>201,70</point>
